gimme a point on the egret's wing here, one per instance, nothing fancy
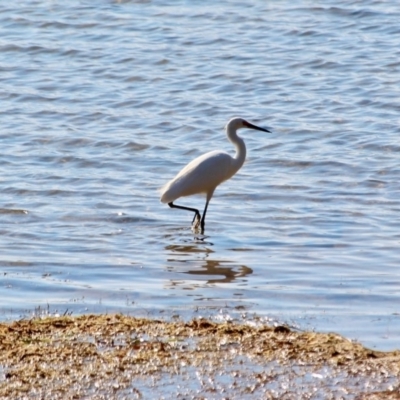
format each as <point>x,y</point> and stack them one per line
<point>202,175</point>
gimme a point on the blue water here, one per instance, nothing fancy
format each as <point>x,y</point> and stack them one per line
<point>103,102</point>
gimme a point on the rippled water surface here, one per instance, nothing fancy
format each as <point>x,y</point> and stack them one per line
<point>103,102</point>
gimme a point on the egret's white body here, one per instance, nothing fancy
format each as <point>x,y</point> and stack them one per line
<point>202,175</point>
<point>205,173</point>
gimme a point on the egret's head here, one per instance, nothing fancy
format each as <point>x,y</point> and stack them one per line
<point>237,123</point>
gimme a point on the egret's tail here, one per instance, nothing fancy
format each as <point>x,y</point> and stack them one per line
<point>166,193</point>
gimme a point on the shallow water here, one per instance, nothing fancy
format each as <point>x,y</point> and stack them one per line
<point>103,102</point>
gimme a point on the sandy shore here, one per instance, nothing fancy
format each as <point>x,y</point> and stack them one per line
<point>116,356</point>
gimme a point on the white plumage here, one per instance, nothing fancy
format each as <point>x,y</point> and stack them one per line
<point>215,166</point>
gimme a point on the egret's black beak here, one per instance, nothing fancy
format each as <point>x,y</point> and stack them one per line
<point>257,128</point>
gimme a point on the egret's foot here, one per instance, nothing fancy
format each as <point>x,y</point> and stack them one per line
<point>196,224</point>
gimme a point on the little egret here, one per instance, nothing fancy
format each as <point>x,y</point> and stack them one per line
<point>206,172</point>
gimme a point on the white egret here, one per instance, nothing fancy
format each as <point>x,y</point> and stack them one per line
<point>205,173</point>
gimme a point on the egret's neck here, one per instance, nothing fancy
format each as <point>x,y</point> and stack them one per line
<point>238,142</point>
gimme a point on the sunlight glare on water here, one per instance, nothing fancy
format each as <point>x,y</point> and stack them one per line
<point>104,102</point>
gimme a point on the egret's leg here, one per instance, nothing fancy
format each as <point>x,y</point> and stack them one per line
<point>196,212</point>
<point>204,217</point>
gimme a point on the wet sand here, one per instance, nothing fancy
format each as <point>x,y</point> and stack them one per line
<point>118,356</point>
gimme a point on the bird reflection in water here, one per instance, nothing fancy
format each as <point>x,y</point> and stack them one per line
<point>224,271</point>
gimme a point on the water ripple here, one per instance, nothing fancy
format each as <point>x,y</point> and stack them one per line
<point>103,103</point>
